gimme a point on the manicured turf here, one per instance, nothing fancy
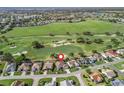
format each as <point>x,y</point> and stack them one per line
<point>58,80</point>
<point>8,82</point>
<point>44,81</point>
<point>24,36</point>
<point>62,28</point>
<point>120,65</point>
<point>2,64</point>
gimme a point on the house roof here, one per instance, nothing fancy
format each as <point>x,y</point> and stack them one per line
<point>109,73</point>
<point>36,66</point>
<point>47,65</point>
<point>96,76</point>
<point>24,67</point>
<point>112,53</point>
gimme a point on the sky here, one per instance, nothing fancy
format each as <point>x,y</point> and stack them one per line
<point>61,3</point>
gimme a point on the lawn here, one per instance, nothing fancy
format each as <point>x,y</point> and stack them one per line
<point>8,82</point>
<point>62,28</point>
<point>24,36</point>
<point>2,64</point>
<point>44,81</point>
<point>120,65</point>
<point>58,80</point>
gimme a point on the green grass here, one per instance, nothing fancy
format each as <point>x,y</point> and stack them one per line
<point>62,28</point>
<point>8,82</point>
<point>17,73</point>
<point>24,36</point>
<point>2,64</point>
<point>44,81</point>
<point>120,65</point>
<point>58,80</point>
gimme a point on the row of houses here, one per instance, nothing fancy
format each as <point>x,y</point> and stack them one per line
<point>98,77</point>
<point>48,65</point>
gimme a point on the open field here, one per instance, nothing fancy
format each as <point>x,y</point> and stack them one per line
<point>62,28</point>
<point>24,36</point>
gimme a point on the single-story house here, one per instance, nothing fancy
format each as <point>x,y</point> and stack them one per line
<point>11,67</point>
<point>117,82</point>
<point>36,66</point>
<point>48,65</point>
<point>59,65</point>
<point>96,77</point>
<point>25,67</point>
<point>72,63</point>
<point>97,56</point>
<point>111,53</point>
<point>109,73</point>
<point>120,51</point>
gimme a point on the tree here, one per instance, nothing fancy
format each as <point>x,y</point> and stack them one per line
<point>119,33</point>
<point>5,38</point>
<point>88,33</point>
<point>8,57</point>
<point>109,47</point>
<point>88,71</point>
<point>68,33</point>
<point>94,51</point>
<point>108,33</point>
<point>1,52</point>
<point>80,40</point>
<point>50,34</point>
<point>37,45</point>
<point>98,41</point>
<point>20,58</point>
<point>81,54</point>
<point>71,54</point>
<point>115,42</point>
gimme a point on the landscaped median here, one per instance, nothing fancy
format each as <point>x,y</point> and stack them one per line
<point>2,64</point>
<point>16,82</point>
<point>119,66</point>
<point>75,81</point>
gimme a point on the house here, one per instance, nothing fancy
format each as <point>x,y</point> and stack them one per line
<point>66,83</point>
<point>72,63</point>
<point>97,56</point>
<point>87,60</point>
<point>111,53</point>
<point>24,67</point>
<point>109,73</point>
<point>11,67</point>
<point>36,66</point>
<point>96,77</point>
<point>48,65</point>
<point>59,65</point>
<point>18,83</point>
<point>120,51</point>
<point>117,82</point>
<point>65,66</point>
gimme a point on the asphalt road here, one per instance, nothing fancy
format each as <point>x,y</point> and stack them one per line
<point>77,74</point>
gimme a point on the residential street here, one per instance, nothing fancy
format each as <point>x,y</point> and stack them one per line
<point>77,74</point>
